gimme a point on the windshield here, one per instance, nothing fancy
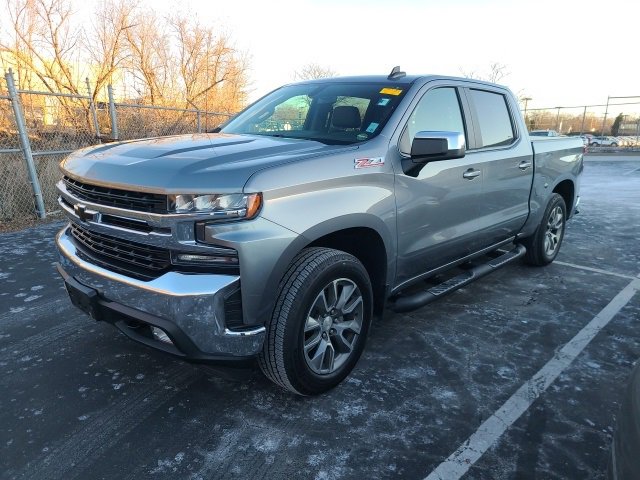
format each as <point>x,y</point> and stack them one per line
<point>332,113</point>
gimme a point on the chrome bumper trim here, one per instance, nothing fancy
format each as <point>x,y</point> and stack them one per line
<point>193,302</point>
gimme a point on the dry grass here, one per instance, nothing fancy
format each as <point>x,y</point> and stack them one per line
<point>17,224</point>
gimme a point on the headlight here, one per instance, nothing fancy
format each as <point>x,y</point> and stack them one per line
<point>224,206</point>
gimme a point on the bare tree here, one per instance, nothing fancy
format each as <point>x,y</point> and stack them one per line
<point>150,58</point>
<point>206,62</point>
<point>44,41</point>
<point>312,71</point>
<point>166,59</point>
<point>494,74</point>
<point>106,43</point>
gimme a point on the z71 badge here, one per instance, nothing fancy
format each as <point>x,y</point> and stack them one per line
<point>368,162</point>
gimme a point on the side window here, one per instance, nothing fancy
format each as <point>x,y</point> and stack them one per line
<point>496,129</point>
<point>438,109</point>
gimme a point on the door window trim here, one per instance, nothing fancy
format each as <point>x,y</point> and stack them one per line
<point>474,119</point>
<point>465,113</point>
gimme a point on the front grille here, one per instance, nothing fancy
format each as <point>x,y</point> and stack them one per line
<point>129,223</point>
<point>115,197</point>
<point>136,259</point>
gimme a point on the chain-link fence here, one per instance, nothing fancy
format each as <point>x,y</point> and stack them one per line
<point>139,121</point>
<point>38,129</point>
<point>15,189</point>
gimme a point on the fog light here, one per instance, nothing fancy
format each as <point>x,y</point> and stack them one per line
<point>160,335</point>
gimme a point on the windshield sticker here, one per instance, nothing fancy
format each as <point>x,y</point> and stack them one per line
<point>383,102</point>
<point>362,136</point>
<point>372,127</point>
<point>368,162</point>
<point>391,91</point>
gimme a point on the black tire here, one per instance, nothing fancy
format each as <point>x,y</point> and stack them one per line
<point>284,357</point>
<point>538,253</point>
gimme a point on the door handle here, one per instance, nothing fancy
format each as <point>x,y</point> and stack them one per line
<point>470,174</point>
<point>524,165</point>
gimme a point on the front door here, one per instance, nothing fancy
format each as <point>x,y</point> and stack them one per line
<point>437,209</point>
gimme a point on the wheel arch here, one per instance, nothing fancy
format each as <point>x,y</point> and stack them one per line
<point>566,189</point>
<point>364,236</point>
<point>366,245</point>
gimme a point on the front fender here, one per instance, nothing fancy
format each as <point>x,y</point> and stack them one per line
<point>267,300</point>
<point>316,198</point>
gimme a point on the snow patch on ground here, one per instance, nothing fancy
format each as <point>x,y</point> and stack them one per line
<point>267,443</point>
<point>168,464</point>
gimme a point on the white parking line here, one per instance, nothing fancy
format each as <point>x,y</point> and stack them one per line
<point>591,269</point>
<point>460,461</point>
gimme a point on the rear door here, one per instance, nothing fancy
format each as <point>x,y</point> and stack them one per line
<point>506,157</point>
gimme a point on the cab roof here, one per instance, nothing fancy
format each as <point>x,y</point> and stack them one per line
<point>405,80</point>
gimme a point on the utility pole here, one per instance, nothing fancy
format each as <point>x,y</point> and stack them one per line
<point>606,111</point>
<point>526,104</point>
<point>584,114</point>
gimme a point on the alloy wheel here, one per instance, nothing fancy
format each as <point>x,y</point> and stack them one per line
<point>332,326</point>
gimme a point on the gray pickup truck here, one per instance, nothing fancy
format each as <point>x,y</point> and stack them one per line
<point>281,234</point>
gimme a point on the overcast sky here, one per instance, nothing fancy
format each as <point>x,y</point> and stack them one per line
<point>561,52</point>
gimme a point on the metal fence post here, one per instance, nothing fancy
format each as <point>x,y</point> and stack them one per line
<point>24,143</point>
<point>112,113</point>
<point>198,121</point>
<point>94,114</point>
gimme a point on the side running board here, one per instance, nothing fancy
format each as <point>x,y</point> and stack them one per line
<point>420,299</point>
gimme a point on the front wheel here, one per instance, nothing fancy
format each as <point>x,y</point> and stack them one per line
<point>543,246</point>
<point>319,326</point>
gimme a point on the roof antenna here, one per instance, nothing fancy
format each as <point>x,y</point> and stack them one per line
<point>396,73</point>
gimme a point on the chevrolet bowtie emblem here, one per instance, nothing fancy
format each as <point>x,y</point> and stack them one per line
<point>82,213</point>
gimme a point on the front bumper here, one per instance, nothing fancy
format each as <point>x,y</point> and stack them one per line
<point>188,308</point>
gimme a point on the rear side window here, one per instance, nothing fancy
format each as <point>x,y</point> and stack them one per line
<point>492,114</point>
<point>437,110</point>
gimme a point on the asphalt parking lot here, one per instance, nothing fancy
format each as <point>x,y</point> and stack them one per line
<point>79,400</point>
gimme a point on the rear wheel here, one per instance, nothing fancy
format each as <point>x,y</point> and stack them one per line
<point>319,326</point>
<point>543,246</point>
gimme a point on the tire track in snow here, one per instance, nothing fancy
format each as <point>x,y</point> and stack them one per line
<point>51,307</point>
<point>32,346</point>
<point>72,456</point>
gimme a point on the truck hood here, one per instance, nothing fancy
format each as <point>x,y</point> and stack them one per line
<point>200,163</point>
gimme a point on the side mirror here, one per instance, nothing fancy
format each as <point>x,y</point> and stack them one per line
<point>433,146</point>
